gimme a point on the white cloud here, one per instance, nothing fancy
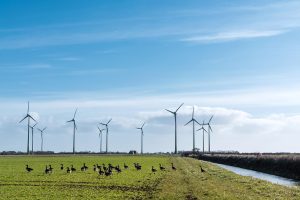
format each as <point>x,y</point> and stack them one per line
<point>233,35</point>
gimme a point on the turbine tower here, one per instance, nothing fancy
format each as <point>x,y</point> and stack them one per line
<point>209,130</point>
<point>142,135</point>
<point>106,126</point>
<point>74,129</point>
<point>175,117</point>
<point>100,137</point>
<point>32,127</point>
<point>203,130</point>
<point>42,140</point>
<point>193,120</point>
<point>28,116</point>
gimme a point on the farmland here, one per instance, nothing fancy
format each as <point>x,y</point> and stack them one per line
<point>187,182</point>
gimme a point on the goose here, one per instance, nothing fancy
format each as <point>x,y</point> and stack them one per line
<point>68,170</point>
<point>173,167</point>
<point>73,169</point>
<point>202,170</point>
<point>108,172</point>
<point>161,167</point>
<point>125,166</point>
<point>61,167</point>
<point>84,167</point>
<point>28,169</point>
<point>153,170</point>
<point>47,171</point>
<point>50,168</point>
<point>100,171</point>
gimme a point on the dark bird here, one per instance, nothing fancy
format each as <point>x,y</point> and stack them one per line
<point>173,167</point>
<point>95,168</point>
<point>28,169</point>
<point>125,166</point>
<point>68,170</point>
<point>137,166</point>
<point>161,167</point>
<point>73,169</point>
<point>108,172</point>
<point>153,170</point>
<point>50,168</point>
<point>47,171</point>
<point>118,170</point>
<point>61,167</point>
<point>101,172</point>
<point>84,167</point>
<point>202,170</point>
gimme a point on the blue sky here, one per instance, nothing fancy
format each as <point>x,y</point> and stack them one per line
<point>238,60</point>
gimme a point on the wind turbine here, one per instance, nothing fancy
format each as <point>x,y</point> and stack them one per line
<point>204,130</point>
<point>28,116</point>
<point>74,129</point>
<point>32,127</point>
<point>193,120</point>
<point>209,130</point>
<point>106,126</point>
<point>142,135</point>
<point>42,140</point>
<point>175,117</point>
<point>100,137</point>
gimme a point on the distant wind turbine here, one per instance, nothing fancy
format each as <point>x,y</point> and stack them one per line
<point>106,126</point>
<point>32,127</point>
<point>175,117</point>
<point>193,120</point>
<point>42,139</point>
<point>142,135</point>
<point>100,137</point>
<point>74,129</point>
<point>209,130</point>
<point>204,130</point>
<point>28,116</point>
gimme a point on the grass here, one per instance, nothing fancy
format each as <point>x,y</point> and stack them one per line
<point>187,182</point>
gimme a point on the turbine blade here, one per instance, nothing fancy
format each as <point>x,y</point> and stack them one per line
<point>170,111</point>
<point>179,107</point>
<point>198,122</point>
<point>143,124</point>
<point>34,125</point>
<point>210,119</point>
<point>199,129</point>
<point>205,130</point>
<point>44,128</point>
<point>70,121</point>
<point>23,119</point>
<point>188,122</point>
<point>102,124</point>
<point>210,128</point>
<point>108,122</point>
<point>99,129</point>
<point>75,113</point>
<point>193,112</point>
<point>31,117</point>
<point>39,130</point>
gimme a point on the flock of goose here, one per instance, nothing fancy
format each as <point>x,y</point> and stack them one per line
<point>102,170</point>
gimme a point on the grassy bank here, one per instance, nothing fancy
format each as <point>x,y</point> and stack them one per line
<point>187,182</point>
<point>282,165</point>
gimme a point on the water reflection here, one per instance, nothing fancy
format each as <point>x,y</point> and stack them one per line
<point>267,177</point>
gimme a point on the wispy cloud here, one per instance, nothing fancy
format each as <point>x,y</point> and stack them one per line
<point>235,35</point>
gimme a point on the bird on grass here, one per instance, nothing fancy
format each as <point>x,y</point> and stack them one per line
<point>73,169</point>
<point>47,171</point>
<point>61,167</point>
<point>161,167</point>
<point>100,172</point>
<point>84,167</point>
<point>202,170</point>
<point>153,170</point>
<point>125,166</point>
<point>68,170</point>
<point>173,167</point>
<point>28,169</point>
<point>50,168</point>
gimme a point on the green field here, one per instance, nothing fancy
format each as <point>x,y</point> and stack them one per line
<point>187,182</point>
